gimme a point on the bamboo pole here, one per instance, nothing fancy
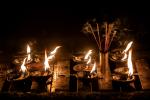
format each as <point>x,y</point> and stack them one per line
<point>99,36</point>
<point>94,36</point>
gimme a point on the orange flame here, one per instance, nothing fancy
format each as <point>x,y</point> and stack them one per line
<point>130,65</point>
<point>54,51</point>
<point>88,54</point>
<point>125,56</point>
<point>46,62</point>
<point>28,52</point>
<point>127,48</point>
<point>93,68</point>
<point>89,61</point>
<point>52,54</point>
<point>23,67</point>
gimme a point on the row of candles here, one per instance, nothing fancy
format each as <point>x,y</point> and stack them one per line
<point>87,58</point>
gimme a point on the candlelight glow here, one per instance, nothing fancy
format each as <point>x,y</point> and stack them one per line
<point>23,67</point>
<point>46,62</point>
<point>93,68</point>
<point>127,48</point>
<point>28,52</point>
<point>130,65</point>
<point>88,54</point>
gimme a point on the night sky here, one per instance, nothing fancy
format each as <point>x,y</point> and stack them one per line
<point>63,24</point>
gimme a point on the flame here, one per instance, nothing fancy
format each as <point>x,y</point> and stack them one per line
<point>89,61</point>
<point>125,56</point>
<point>130,65</point>
<point>23,67</point>
<point>93,68</point>
<point>46,62</point>
<point>127,48</point>
<point>88,54</point>
<point>54,51</point>
<point>28,52</point>
<point>52,54</point>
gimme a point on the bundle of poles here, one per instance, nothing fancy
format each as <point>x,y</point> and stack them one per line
<point>109,34</point>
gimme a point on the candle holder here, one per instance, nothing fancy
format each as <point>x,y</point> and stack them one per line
<point>121,80</point>
<point>84,77</point>
<point>39,80</point>
<point>19,81</point>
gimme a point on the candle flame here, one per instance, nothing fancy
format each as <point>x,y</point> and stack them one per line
<point>46,62</point>
<point>23,67</point>
<point>28,52</point>
<point>130,65</point>
<point>88,54</point>
<point>127,48</point>
<point>125,56</point>
<point>93,68</point>
<point>52,54</point>
<point>89,61</point>
<point>54,51</point>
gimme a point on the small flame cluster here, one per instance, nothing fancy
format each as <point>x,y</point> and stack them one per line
<point>46,62</point>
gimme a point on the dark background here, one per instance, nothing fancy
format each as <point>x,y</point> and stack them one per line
<point>61,24</point>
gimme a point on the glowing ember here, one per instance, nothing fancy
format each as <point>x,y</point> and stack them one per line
<point>88,54</point>
<point>46,62</point>
<point>127,48</point>
<point>130,65</point>
<point>23,67</point>
<point>28,52</point>
<point>93,68</point>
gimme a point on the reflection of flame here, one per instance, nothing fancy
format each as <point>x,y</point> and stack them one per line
<point>52,54</point>
<point>23,67</point>
<point>55,73</point>
<point>46,61</point>
<point>88,54</point>
<point>93,68</point>
<point>130,65</point>
<point>28,52</point>
<point>125,51</point>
